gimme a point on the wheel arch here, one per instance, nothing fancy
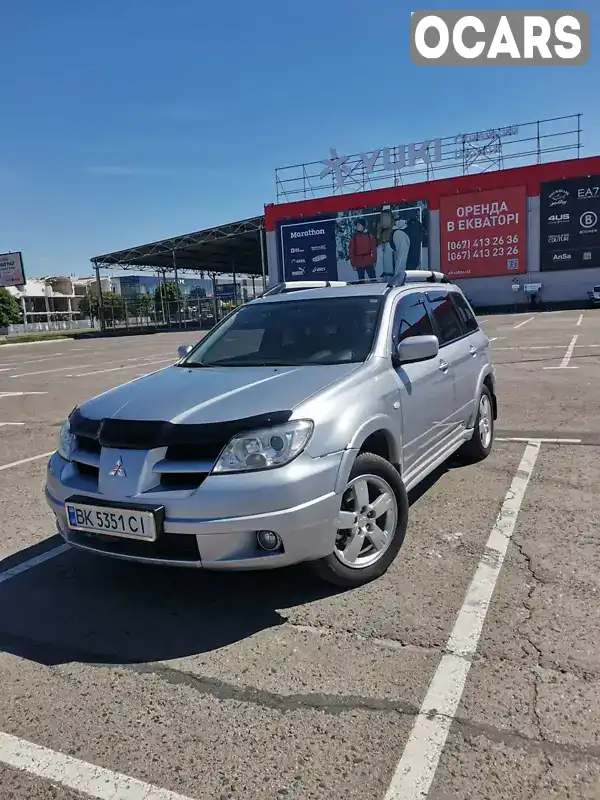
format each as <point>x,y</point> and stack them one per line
<point>374,436</point>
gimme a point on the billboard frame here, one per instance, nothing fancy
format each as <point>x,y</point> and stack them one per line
<point>21,267</point>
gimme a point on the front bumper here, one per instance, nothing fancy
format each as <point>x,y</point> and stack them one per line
<point>298,501</point>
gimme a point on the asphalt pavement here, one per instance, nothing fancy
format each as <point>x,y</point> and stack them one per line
<point>470,670</point>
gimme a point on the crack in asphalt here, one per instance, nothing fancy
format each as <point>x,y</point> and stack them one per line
<point>340,704</point>
<point>535,707</point>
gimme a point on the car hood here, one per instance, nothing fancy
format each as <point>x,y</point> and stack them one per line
<point>192,396</point>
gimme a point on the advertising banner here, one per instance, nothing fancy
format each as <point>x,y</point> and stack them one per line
<point>484,233</point>
<point>363,244</point>
<point>569,223</point>
<point>11,269</point>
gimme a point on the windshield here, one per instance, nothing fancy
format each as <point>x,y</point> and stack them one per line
<point>333,330</point>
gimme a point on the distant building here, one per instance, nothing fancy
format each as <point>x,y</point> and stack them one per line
<point>55,298</point>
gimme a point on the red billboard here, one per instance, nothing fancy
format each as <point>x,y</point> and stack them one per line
<point>484,233</point>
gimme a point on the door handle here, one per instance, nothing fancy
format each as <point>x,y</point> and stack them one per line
<point>443,365</point>
<point>473,350</point>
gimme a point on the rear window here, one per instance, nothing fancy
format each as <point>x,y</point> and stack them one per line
<point>465,314</point>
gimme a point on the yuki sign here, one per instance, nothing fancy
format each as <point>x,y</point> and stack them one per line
<point>11,269</point>
<point>388,159</point>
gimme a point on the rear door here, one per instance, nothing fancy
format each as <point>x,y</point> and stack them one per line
<point>425,390</point>
<point>479,351</point>
<point>455,352</point>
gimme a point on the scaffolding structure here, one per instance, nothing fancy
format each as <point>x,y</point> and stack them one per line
<point>519,145</point>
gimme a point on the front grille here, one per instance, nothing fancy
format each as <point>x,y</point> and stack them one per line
<point>88,445</point>
<point>208,451</point>
<point>87,469</point>
<point>168,546</point>
<point>182,480</point>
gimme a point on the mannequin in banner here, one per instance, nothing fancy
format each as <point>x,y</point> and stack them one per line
<point>363,251</point>
<point>385,251</point>
<point>400,243</point>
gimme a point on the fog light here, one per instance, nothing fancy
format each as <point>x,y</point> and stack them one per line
<point>268,540</point>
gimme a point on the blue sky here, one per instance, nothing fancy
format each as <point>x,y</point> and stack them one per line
<point>125,122</point>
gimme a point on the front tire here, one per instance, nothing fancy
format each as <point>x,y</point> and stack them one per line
<point>479,447</point>
<point>374,518</point>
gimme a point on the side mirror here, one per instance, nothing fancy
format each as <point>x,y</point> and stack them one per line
<point>417,348</point>
<point>183,350</point>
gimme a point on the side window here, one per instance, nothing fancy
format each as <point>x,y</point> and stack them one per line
<point>445,317</point>
<point>465,313</point>
<point>411,318</point>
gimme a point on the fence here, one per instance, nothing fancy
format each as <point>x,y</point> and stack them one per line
<point>144,313</point>
<point>46,327</point>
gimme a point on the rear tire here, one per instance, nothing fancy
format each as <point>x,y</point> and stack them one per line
<point>375,506</point>
<point>479,447</point>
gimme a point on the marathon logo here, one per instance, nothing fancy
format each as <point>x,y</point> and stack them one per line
<point>307,232</point>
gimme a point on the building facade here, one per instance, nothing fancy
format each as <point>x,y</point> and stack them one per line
<point>500,235</point>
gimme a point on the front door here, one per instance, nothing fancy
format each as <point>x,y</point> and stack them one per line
<point>425,388</point>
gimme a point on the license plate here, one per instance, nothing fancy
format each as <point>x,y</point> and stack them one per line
<point>111,521</point>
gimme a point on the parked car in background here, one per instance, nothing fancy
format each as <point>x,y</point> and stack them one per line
<point>291,433</point>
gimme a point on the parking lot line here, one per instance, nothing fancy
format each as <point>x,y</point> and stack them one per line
<point>417,767</point>
<point>83,366</point>
<point>80,776</point>
<point>541,441</point>
<point>580,320</point>
<point>525,321</point>
<point>25,461</point>
<point>33,562</point>
<point>564,364</point>
<point>18,394</point>
<point>116,369</point>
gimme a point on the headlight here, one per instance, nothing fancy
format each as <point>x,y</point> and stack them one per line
<point>65,437</point>
<point>265,449</point>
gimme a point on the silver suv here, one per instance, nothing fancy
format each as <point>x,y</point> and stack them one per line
<point>291,433</point>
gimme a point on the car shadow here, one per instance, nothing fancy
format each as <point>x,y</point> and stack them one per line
<point>78,607</point>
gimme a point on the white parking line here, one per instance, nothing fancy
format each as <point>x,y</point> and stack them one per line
<point>72,773</point>
<point>18,394</point>
<point>525,321</point>
<point>4,424</point>
<point>541,441</point>
<point>25,461</point>
<point>83,366</point>
<point>33,562</point>
<point>564,364</point>
<point>580,320</point>
<point>418,764</point>
<point>116,369</point>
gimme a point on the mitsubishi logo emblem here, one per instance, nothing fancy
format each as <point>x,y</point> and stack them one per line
<point>119,470</point>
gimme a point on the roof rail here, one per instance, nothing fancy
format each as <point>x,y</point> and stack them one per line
<point>418,275</point>
<point>277,289</point>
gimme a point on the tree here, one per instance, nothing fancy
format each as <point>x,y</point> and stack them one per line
<point>143,305</point>
<point>10,310</point>
<point>88,307</point>
<point>114,306</point>
<point>170,292</point>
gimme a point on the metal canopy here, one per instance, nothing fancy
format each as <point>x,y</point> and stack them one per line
<point>236,247</point>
